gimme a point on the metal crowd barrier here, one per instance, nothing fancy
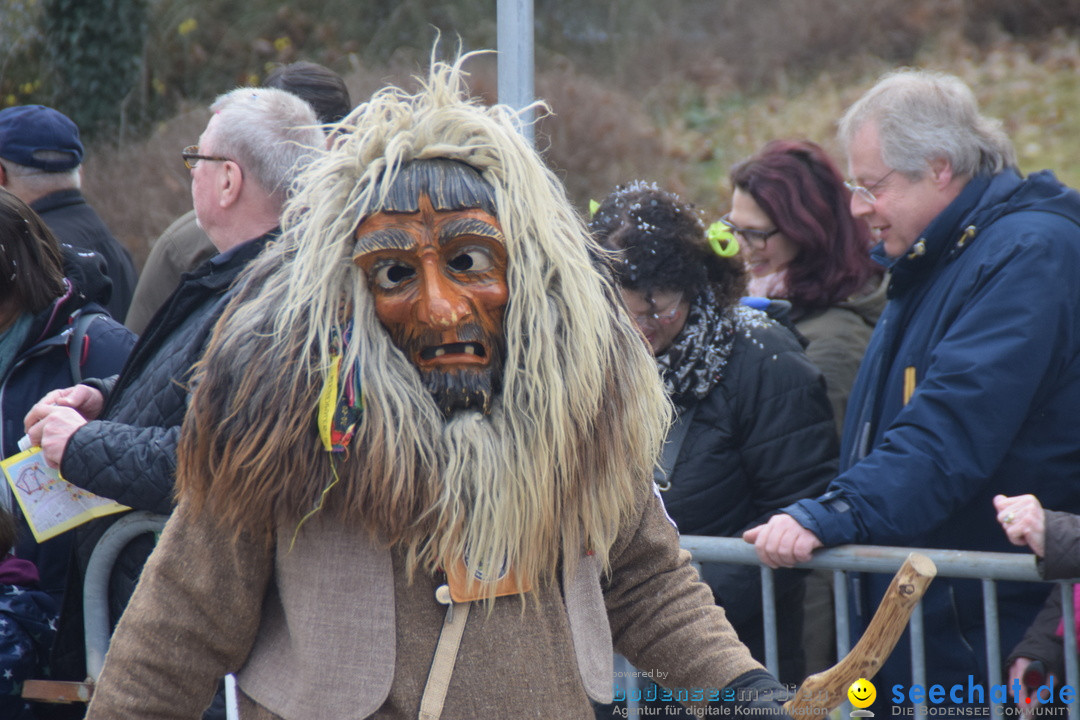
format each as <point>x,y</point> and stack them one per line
<point>989,567</point>
<point>985,566</point>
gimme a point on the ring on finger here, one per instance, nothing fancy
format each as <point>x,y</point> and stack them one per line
<point>1009,517</point>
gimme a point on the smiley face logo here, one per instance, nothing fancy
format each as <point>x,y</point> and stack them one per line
<point>862,693</point>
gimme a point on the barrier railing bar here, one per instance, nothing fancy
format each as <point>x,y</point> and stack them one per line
<point>988,567</point>
<point>877,559</point>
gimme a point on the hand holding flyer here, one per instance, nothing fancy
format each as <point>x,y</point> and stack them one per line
<point>50,504</point>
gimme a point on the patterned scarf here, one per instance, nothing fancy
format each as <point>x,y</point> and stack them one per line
<point>694,363</point>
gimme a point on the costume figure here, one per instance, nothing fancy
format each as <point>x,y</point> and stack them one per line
<point>426,392</point>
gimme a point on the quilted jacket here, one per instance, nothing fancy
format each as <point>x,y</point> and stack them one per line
<point>129,453</point>
<point>761,439</point>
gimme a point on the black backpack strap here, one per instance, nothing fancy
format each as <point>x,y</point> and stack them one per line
<point>77,340</point>
<point>672,445</point>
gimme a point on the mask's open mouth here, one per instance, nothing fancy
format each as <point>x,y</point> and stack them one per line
<point>458,352</point>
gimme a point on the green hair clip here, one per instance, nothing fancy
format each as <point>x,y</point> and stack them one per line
<point>722,241</point>
<point>593,207</point>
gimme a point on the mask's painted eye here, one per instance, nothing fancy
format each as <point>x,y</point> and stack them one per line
<point>390,275</point>
<point>474,260</point>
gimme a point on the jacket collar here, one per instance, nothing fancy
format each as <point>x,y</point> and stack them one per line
<point>946,235</point>
<point>58,199</point>
<point>219,269</point>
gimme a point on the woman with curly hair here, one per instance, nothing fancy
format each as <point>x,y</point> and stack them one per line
<point>789,210</point>
<point>754,430</point>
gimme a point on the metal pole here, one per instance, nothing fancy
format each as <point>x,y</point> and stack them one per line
<point>993,642</point>
<point>768,612</point>
<point>1068,619</point>
<point>515,44</point>
<point>917,635</point>
<point>843,623</point>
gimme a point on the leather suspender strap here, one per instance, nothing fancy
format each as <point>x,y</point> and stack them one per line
<point>442,667</point>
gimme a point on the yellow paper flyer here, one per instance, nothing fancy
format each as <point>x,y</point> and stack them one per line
<point>50,504</point>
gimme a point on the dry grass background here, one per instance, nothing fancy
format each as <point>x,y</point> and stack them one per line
<point>671,111</point>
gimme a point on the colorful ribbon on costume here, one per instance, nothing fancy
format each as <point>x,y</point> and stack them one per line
<point>341,402</point>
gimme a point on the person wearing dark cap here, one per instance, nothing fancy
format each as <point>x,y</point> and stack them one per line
<point>183,246</point>
<point>40,163</point>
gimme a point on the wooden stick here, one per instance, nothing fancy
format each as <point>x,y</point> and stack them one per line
<point>57,691</point>
<point>825,690</point>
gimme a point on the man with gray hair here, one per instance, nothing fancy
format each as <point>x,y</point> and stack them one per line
<point>41,164</point>
<point>971,381</point>
<point>117,438</point>
<point>184,246</point>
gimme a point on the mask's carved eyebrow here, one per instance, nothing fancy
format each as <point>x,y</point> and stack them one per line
<point>469,226</point>
<point>387,239</point>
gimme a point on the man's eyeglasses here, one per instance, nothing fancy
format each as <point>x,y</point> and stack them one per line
<point>666,317</point>
<point>752,237</point>
<point>192,157</point>
<point>866,194</point>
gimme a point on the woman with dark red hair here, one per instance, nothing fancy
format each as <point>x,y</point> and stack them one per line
<point>789,211</point>
<point>790,214</point>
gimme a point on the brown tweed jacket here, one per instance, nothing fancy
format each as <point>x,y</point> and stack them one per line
<point>329,628</point>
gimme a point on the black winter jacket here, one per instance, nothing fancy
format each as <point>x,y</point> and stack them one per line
<point>129,453</point>
<point>761,439</point>
<point>75,223</point>
<point>43,364</point>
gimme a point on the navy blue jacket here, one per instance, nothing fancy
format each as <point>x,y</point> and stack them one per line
<point>43,364</point>
<point>27,628</point>
<point>985,325</point>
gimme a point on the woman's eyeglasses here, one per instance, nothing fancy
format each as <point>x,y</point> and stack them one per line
<point>192,157</point>
<point>752,237</point>
<point>664,317</point>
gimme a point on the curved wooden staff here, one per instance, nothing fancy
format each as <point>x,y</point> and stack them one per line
<point>825,690</point>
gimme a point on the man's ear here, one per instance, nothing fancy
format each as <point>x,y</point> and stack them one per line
<point>231,183</point>
<point>941,171</point>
